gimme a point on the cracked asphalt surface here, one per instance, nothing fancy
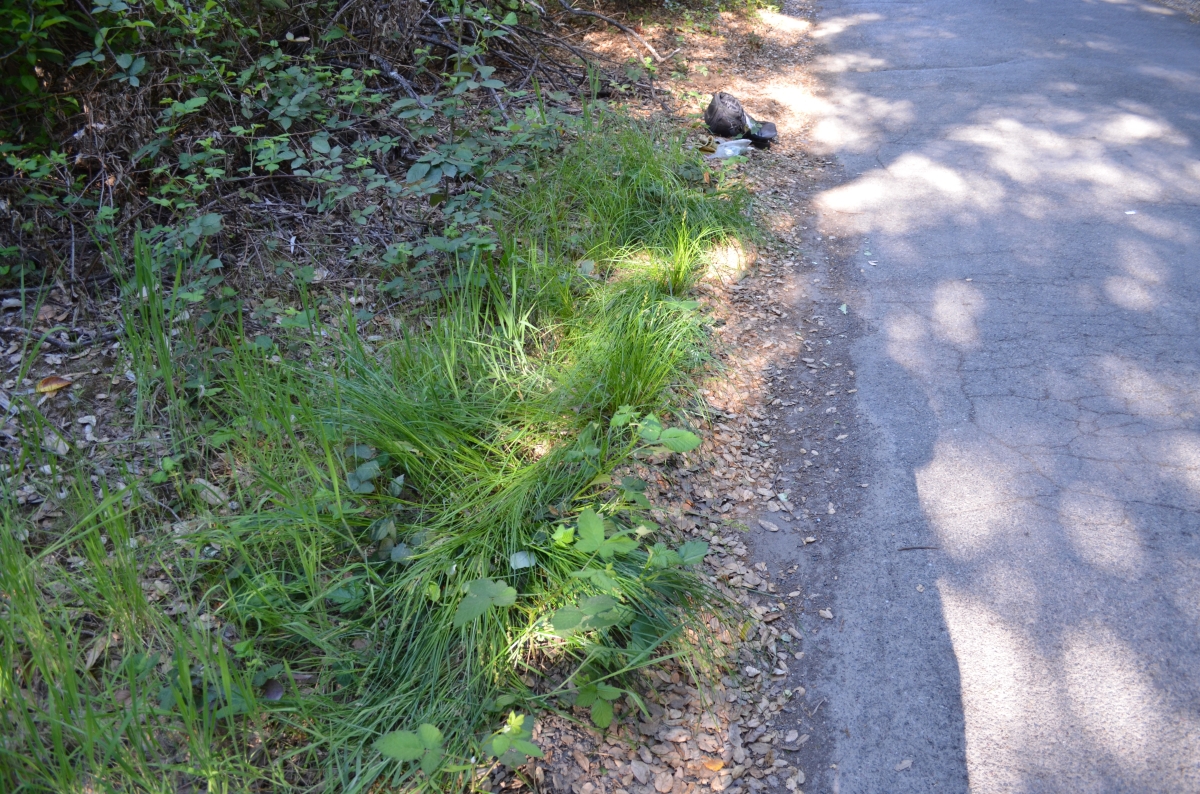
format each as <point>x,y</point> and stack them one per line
<point>1022,191</point>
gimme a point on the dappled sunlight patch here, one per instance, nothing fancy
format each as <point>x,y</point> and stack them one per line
<point>1117,704</point>
<point>1000,683</point>
<point>728,261</point>
<point>851,123</point>
<point>782,29</point>
<point>957,306</point>
<point>1093,695</point>
<point>966,492</point>
<point>1129,293</point>
<point>1128,128</point>
<point>1180,453</point>
<point>1183,587</point>
<point>914,192</point>
<point>1140,392</point>
<point>838,25</point>
<point>1101,532</point>
<point>907,333</point>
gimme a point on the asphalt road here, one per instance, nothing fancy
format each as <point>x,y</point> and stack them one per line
<point>1023,184</point>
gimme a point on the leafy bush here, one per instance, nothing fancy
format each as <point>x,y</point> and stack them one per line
<point>291,123</point>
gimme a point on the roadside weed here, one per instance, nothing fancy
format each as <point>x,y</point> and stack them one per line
<point>368,564</point>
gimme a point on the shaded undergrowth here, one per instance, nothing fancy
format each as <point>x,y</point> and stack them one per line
<point>366,561</point>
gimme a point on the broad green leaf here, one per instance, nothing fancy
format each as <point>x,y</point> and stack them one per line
<point>431,760</point>
<point>521,559</point>
<point>586,695</point>
<point>567,618</point>
<point>417,172</point>
<point>433,592</point>
<point>360,451</point>
<point>527,747</point>
<point>482,594</point>
<point>662,557</point>
<point>591,537</point>
<point>472,606</point>
<point>604,582</point>
<point>613,617</point>
<point>358,485</point>
<point>367,471</point>
<point>500,594</point>
<point>511,743</point>
<point>210,224</point>
<point>624,415</point>
<point>591,532</point>
<point>430,736</point>
<point>693,551</point>
<point>678,440</point>
<point>650,428</point>
<point>602,713</point>
<point>618,544</point>
<point>638,499</point>
<point>597,604</point>
<point>349,594</point>
<point>563,536</point>
<point>401,745</point>
<point>382,528</point>
<point>608,692</point>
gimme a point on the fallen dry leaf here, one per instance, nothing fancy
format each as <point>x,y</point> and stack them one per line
<point>714,764</point>
<point>53,442</point>
<point>51,384</point>
<point>768,526</point>
<point>905,764</point>
<point>98,648</point>
<point>825,613</point>
<point>210,493</point>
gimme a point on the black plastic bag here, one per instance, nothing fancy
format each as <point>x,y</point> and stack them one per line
<point>726,117</point>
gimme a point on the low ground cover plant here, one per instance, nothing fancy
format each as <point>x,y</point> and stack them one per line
<point>403,537</point>
<point>362,531</point>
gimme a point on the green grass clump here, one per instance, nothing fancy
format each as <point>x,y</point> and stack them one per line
<point>430,533</point>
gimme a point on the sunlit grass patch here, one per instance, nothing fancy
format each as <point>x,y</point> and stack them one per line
<point>421,538</point>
